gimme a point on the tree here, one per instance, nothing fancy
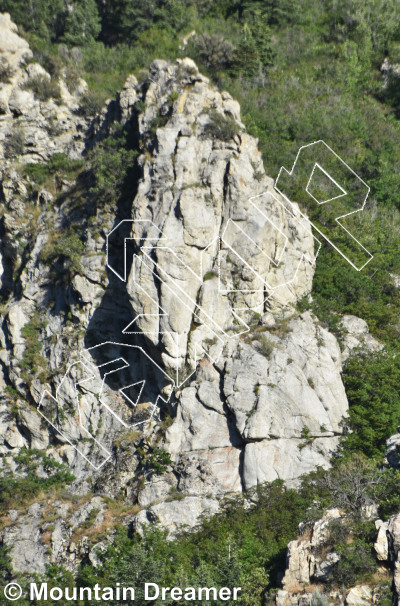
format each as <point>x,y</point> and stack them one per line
<point>82,23</point>
<point>38,16</point>
<point>254,54</point>
<point>126,20</point>
<point>375,21</point>
<point>354,484</point>
<point>275,12</point>
<point>372,385</point>
<point>215,51</point>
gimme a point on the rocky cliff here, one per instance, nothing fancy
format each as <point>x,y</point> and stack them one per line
<point>152,342</point>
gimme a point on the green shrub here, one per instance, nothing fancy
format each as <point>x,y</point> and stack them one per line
<point>371,383</point>
<point>15,143</point>
<point>43,88</point>
<point>238,547</point>
<point>385,595</point>
<point>214,51</point>
<point>67,246</point>
<point>221,127</point>
<point>32,358</point>
<point>6,71</point>
<point>15,490</point>
<point>356,565</point>
<point>58,164</point>
<point>113,166</point>
<point>39,172</point>
<point>91,103</point>
<point>265,346</point>
<point>158,460</point>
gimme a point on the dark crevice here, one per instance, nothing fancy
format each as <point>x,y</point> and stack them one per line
<point>226,182</point>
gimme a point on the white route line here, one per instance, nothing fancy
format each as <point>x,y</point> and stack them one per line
<point>145,261</point>
<point>337,219</point>
<point>316,165</point>
<point>304,257</point>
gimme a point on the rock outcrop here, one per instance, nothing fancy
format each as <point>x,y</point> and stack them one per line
<point>357,338</point>
<point>311,559</point>
<point>393,449</point>
<point>192,285</point>
<point>38,113</point>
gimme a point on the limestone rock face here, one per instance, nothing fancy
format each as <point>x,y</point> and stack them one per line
<point>393,449</point>
<point>357,338</point>
<point>393,540</point>
<point>272,401</point>
<point>55,525</point>
<point>304,564</point>
<point>13,49</point>
<point>190,283</point>
<point>359,596</point>
<point>381,545</point>
<point>177,514</point>
<point>43,125</point>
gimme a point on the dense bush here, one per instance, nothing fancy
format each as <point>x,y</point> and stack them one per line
<point>44,88</point>
<point>214,51</point>
<point>26,482</point>
<point>67,247</point>
<point>221,127</point>
<point>239,547</point>
<point>58,164</point>
<point>91,103</point>
<point>15,143</point>
<point>77,23</point>
<point>372,387</point>
<point>113,165</point>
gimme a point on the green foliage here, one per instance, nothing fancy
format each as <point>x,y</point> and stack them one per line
<point>353,541</point>
<point>126,20</point>
<point>356,564</point>
<point>38,16</point>
<point>372,389</point>
<point>113,164</point>
<point>158,460</point>
<point>68,247</point>
<point>76,23</point>
<point>221,127</point>
<point>254,53</point>
<point>32,359</point>
<point>26,483</point>
<point>372,23</point>
<point>12,392</point>
<point>385,596</point>
<point>370,293</point>
<point>5,563</point>
<point>58,165</point>
<point>210,275</point>
<point>91,103</point>
<point>15,143</point>
<point>214,51</point>
<point>239,547</point>
<point>44,88</point>
<point>353,483</point>
<point>82,23</point>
